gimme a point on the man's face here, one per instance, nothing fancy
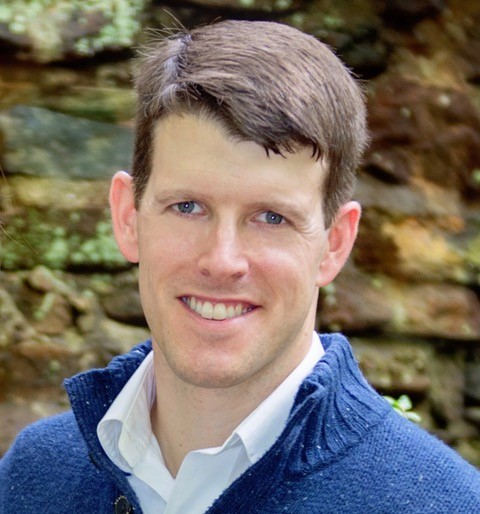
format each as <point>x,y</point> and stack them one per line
<point>232,249</point>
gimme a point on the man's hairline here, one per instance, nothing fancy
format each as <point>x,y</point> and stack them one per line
<point>210,116</point>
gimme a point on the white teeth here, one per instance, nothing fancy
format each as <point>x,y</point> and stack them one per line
<point>207,311</point>
<point>218,311</point>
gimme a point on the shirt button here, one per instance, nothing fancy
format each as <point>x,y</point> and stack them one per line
<point>122,505</point>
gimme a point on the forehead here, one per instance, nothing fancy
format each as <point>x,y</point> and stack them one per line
<point>195,146</point>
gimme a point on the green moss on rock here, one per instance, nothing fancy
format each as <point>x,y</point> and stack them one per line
<point>39,237</point>
<point>47,25</point>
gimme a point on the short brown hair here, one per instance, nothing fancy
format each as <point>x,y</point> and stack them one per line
<point>265,82</point>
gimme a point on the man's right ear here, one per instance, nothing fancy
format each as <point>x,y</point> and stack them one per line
<point>124,215</point>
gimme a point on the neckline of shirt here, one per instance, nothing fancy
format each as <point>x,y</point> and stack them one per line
<point>125,431</point>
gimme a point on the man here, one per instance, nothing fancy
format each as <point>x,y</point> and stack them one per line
<point>238,209</point>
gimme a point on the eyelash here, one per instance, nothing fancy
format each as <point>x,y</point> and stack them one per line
<point>270,214</point>
<point>177,207</point>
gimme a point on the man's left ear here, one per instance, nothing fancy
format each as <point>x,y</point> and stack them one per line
<point>341,236</point>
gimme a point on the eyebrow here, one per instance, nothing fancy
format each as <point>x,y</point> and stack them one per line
<point>285,208</point>
<point>162,197</point>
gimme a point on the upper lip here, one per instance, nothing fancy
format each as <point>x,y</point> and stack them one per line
<point>219,300</point>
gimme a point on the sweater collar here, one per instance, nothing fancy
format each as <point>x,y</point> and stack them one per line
<point>335,408</point>
<point>92,392</point>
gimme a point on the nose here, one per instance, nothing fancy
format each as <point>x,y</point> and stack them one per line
<point>223,254</point>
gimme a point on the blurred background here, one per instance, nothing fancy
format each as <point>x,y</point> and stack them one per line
<point>410,295</point>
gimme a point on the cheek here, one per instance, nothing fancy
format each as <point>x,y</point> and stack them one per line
<point>290,268</point>
<point>159,247</point>
<point>170,241</point>
<point>300,255</point>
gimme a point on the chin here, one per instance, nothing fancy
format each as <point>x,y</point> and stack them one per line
<point>212,377</point>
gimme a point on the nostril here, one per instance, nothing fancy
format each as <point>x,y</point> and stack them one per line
<point>223,264</point>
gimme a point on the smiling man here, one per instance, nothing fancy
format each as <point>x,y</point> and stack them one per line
<point>238,210</point>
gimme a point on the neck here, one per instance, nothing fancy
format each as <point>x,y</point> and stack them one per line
<point>183,424</point>
<point>186,417</point>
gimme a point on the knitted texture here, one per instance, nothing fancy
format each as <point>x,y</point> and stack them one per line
<point>343,450</point>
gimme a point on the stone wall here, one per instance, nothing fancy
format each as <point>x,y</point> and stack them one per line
<point>409,297</point>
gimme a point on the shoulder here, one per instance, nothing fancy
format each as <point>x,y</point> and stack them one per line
<point>47,463</point>
<point>415,468</point>
<point>48,437</point>
<point>43,449</point>
<point>413,444</point>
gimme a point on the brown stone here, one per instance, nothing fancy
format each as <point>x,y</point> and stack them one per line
<point>418,198</point>
<point>471,54</point>
<point>446,396</point>
<point>436,134</point>
<point>473,415</point>
<point>117,338</point>
<point>423,251</point>
<point>394,367</point>
<point>101,93</point>
<point>407,11</point>
<point>25,406</point>
<point>472,376</point>
<point>36,362</point>
<point>57,193</point>
<point>437,310</point>
<point>357,301</point>
<point>124,305</point>
<point>53,315</point>
<point>44,280</point>
<point>262,5</point>
<point>470,450</point>
<point>391,165</point>
<point>433,243</point>
<point>15,327</point>
<point>374,251</point>
<point>43,351</point>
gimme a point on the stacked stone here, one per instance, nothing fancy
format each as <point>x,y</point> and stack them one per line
<point>409,297</point>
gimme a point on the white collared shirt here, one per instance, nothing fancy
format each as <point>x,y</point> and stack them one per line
<point>125,434</point>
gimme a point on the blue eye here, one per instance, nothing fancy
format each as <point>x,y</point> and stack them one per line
<point>185,207</point>
<point>272,218</point>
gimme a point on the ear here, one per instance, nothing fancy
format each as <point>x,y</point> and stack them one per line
<point>124,215</point>
<point>341,236</point>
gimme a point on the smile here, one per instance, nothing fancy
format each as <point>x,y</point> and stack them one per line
<point>216,310</point>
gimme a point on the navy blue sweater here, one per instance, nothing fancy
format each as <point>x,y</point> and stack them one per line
<point>343,450</point>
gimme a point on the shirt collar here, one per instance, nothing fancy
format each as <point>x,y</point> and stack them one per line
<point>125,431</point>
<point>264,425</point>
